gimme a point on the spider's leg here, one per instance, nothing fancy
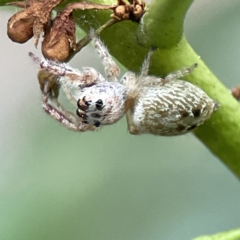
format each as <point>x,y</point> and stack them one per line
<point>134,83</point>
<point>69,95</point>
<point>146,65</point>
<point>67,119</point>
<point>64,118</point>
<point>143,78</point>
<point>111,68</point>
<point>180,73</point>
<point>70,77</point>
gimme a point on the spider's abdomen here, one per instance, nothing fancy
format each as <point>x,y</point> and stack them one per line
<point>170,109</point>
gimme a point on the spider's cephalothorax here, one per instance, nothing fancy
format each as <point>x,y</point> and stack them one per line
<point>101,104</point>
<point>162,106</point>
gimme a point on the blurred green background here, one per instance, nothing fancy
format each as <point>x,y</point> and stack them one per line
<point>105,185</point>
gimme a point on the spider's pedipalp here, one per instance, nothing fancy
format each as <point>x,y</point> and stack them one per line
<point>66,118</point>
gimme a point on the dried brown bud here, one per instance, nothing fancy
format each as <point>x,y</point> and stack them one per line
<point>59,39</point>
<point>21,30</point>
<point>133,11</point>
<point>236,92</point>
<point>59,51</point>
<point>45,78</point>
<point>121,12</point>
<point>30,21</point>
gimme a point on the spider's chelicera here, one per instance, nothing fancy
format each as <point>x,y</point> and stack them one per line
<point>161,106</point>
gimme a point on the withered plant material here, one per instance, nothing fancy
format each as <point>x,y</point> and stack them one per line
<point>45,77</point>
<point>236,92</point>
<point>30,21</point>
<point>133,11</point>
<point>59,36</point>
<point>60,32</point>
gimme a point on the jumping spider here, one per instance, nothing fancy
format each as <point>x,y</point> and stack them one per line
<point>162,106</point>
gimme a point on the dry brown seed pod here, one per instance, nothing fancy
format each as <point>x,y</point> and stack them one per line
<point>58,51</point>
<point>31,21</point>
<point>45,77</point>
<point>133,11</point>
<point>236,92</point>
<point>20,31</point>
<point>59,38</point>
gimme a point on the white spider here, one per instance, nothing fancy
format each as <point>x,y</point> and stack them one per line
<point>162,106</point>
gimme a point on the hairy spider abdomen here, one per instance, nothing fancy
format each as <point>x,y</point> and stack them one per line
<point>170,109</point>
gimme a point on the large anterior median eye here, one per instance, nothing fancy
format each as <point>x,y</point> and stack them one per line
<point>99,104</point>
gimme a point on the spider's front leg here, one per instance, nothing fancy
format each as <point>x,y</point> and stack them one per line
<point>70,77</point>
<point>111,69</point>
<point>58,113</point>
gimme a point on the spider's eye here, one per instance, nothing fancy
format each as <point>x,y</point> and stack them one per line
<point>83,104</point>
<point>81,115</point>
<point>97,124</point>
<point>99,104</point>
<point>88,103</point>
